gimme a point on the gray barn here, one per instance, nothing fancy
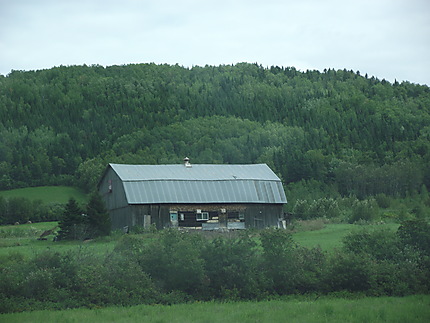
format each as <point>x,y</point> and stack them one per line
<point>204,196</point>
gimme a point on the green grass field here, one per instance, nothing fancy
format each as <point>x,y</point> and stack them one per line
<point>411,309</point>
<point>330,236</point>
<point>47,194</point>
<point>23,239</point>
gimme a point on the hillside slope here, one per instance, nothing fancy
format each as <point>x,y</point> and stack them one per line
<point>359,135</point>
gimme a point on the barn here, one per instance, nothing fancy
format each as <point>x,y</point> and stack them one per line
<point>208,197</point>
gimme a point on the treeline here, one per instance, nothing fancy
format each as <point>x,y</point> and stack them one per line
<point>172,267</point>
<point>19,210</point>
<point>357,134</point>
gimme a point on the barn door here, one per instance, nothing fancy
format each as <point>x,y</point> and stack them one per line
<point>174,219</point>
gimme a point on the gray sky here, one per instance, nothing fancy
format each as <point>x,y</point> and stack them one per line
<point>385,38</point>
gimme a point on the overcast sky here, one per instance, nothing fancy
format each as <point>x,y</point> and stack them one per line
<point>384,38</point>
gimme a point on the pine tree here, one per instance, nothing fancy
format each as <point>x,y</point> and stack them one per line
<point>97,216</point>
<point>72,227</point>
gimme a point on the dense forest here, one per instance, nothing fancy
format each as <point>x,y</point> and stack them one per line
<point>346,133</point>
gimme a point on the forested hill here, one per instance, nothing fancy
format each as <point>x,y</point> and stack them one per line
<point>354,134</point>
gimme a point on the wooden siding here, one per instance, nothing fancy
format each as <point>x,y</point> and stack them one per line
<point>111,189</point>
<point>255,215</point>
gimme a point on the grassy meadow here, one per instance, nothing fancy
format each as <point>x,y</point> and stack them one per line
<point>23,239</point>
<point>328,236</point>
<point>411,309</point>
<point>47,194</point>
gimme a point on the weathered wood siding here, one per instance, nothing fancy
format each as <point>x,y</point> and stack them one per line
<point>111,190</point>
<point>255,215</point>
<point>112,193</point>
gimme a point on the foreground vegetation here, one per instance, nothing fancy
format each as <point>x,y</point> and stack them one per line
<point>310,309</point>
<point>171,267</point>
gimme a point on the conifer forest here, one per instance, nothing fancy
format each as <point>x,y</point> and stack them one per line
<point>337,130</point>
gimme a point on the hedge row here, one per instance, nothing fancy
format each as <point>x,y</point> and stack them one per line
<point>173,267</point>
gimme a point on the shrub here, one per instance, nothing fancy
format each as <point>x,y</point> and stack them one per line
<point>301,209</point>
<point>383,200</point>
<point>323,207</point>
<point>348,272</point>
<point>398,279</point>
<point>232,267</point>
<point>416,233</point>
<point>380,244</point>
<point>365,210</point>
<point>310,264</point>
<point>173,259</point>
<point>279,262</point>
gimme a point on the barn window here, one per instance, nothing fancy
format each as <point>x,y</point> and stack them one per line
<point>241,216</point>
<point>173,216</point>
<point>203,216</point>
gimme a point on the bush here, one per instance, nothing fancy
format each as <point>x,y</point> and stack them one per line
<point>232,267</point>
<point>279,262</point>
<point>348,272</point>
<point>365,210</point>
<point>416,233</point>
<point>301,209</point>
<point>172,267</point>
<point>323,207</point>
<point>383,200</point>
<point>380,244</point>
<point>398,279</point>
<point>173,259</point>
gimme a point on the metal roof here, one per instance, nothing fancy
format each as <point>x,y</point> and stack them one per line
<point>195,172</point>
<point>150,184</point>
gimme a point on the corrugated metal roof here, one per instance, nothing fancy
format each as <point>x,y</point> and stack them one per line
<point>195,172</point>
<point>151,184</point>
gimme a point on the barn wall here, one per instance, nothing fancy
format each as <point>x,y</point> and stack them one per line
<point>263,215</point>
<point>121,217</point>
<point>112,191</point>
<point>256,215</point>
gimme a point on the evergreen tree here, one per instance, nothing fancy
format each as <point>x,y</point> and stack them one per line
<point>72,226</point>
<point>98,219</point>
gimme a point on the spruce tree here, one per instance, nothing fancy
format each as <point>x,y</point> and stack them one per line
<point>97,216</point>
<point>72,226</point>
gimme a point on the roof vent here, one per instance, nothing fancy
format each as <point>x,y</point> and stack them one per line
<point>187,162</point>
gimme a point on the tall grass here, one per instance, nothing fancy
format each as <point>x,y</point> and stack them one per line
<point>411,309</point>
